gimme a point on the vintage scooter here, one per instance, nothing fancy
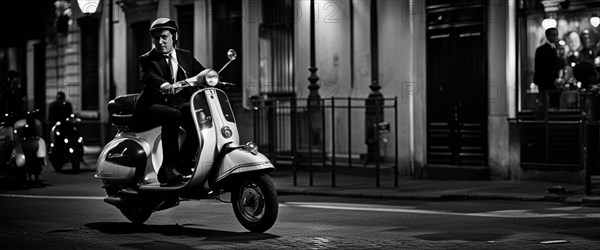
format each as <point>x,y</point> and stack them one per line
<point>66,144</point>
<point>128,164</point>
<point>7,141</point>
<point>29,153</point>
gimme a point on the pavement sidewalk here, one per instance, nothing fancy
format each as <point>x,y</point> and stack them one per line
<point>411,189</point>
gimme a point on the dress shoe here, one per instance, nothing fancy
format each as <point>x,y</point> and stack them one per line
<point>168,176</point>
<point>185,167</point>
<point>174,180</point>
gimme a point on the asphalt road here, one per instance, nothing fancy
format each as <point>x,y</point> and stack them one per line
<point>68,212</point>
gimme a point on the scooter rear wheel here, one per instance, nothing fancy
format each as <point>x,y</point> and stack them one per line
<point>255,203</point>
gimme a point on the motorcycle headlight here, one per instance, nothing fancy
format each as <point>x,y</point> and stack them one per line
<point>212,78</point>
<point>66,141</point>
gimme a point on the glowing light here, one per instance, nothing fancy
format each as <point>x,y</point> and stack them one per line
<point>88,6</point>
<point>549,23</point>
<point>595,20</point>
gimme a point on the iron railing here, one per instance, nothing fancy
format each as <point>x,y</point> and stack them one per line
<point>326,136</point>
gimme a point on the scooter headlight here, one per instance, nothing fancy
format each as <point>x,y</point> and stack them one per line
<point>212,78</point>
<point>66,141</point>
<point>209,77</point>
<point>251,147</point>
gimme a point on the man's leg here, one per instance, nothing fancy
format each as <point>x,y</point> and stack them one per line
<point>169,118</point>
<point>190,144</point>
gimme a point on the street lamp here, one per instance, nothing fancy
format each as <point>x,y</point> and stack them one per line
<point>89,41</point>
<point>88,6</point>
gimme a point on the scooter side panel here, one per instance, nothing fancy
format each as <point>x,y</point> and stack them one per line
<point>120,158</point>
<point>41,152</point>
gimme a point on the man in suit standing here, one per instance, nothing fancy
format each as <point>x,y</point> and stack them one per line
<point>547,67</point>
<point>163,70</point>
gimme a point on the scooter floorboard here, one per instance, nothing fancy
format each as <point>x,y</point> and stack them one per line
<point>155,186</point>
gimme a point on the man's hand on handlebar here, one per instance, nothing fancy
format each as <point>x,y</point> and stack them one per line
<point>168,89</point>
<point>171,89</point>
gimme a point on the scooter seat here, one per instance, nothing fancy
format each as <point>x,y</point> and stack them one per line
<point>121,109</point>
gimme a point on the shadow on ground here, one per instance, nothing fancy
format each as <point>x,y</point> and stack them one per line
<point>188,230</point>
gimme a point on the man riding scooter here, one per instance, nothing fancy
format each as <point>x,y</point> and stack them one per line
<point>164,69</point>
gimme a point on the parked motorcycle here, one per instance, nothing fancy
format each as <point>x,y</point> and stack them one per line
<point>128,165</point>
<point>7,141</point>
<point>29,153</point>
<point>66,144</point>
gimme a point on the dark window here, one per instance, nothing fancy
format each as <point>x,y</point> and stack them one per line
<point>185,15</point>
<point>89,62</point>
<point>227,34</point>
<point>140,43</point>
<point>277,48</point>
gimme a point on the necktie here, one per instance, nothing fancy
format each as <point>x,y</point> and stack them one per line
<point>170,63</point>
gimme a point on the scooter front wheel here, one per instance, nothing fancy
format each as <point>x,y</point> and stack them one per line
<point>255,203</point>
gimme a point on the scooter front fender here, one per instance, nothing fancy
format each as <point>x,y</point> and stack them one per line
<point>240,161</point>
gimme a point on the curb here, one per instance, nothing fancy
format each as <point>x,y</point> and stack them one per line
<point>591,201</point>
<point>583,201</point>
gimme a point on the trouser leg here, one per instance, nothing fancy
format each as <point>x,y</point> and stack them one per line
<point>169,119</point>
<point>190,144</point>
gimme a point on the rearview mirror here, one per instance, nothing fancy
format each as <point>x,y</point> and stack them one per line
<point>231,54</point>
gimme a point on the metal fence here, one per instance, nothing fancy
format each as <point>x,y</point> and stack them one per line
<point>328,134</point>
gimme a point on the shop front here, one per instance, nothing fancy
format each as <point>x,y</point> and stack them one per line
<point>556,127</point>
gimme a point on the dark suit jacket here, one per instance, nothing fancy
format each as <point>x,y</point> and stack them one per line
<point>546,67</point>
<point>154,71</point>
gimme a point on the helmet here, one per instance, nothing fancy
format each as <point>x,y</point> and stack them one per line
<point>164,23</point>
